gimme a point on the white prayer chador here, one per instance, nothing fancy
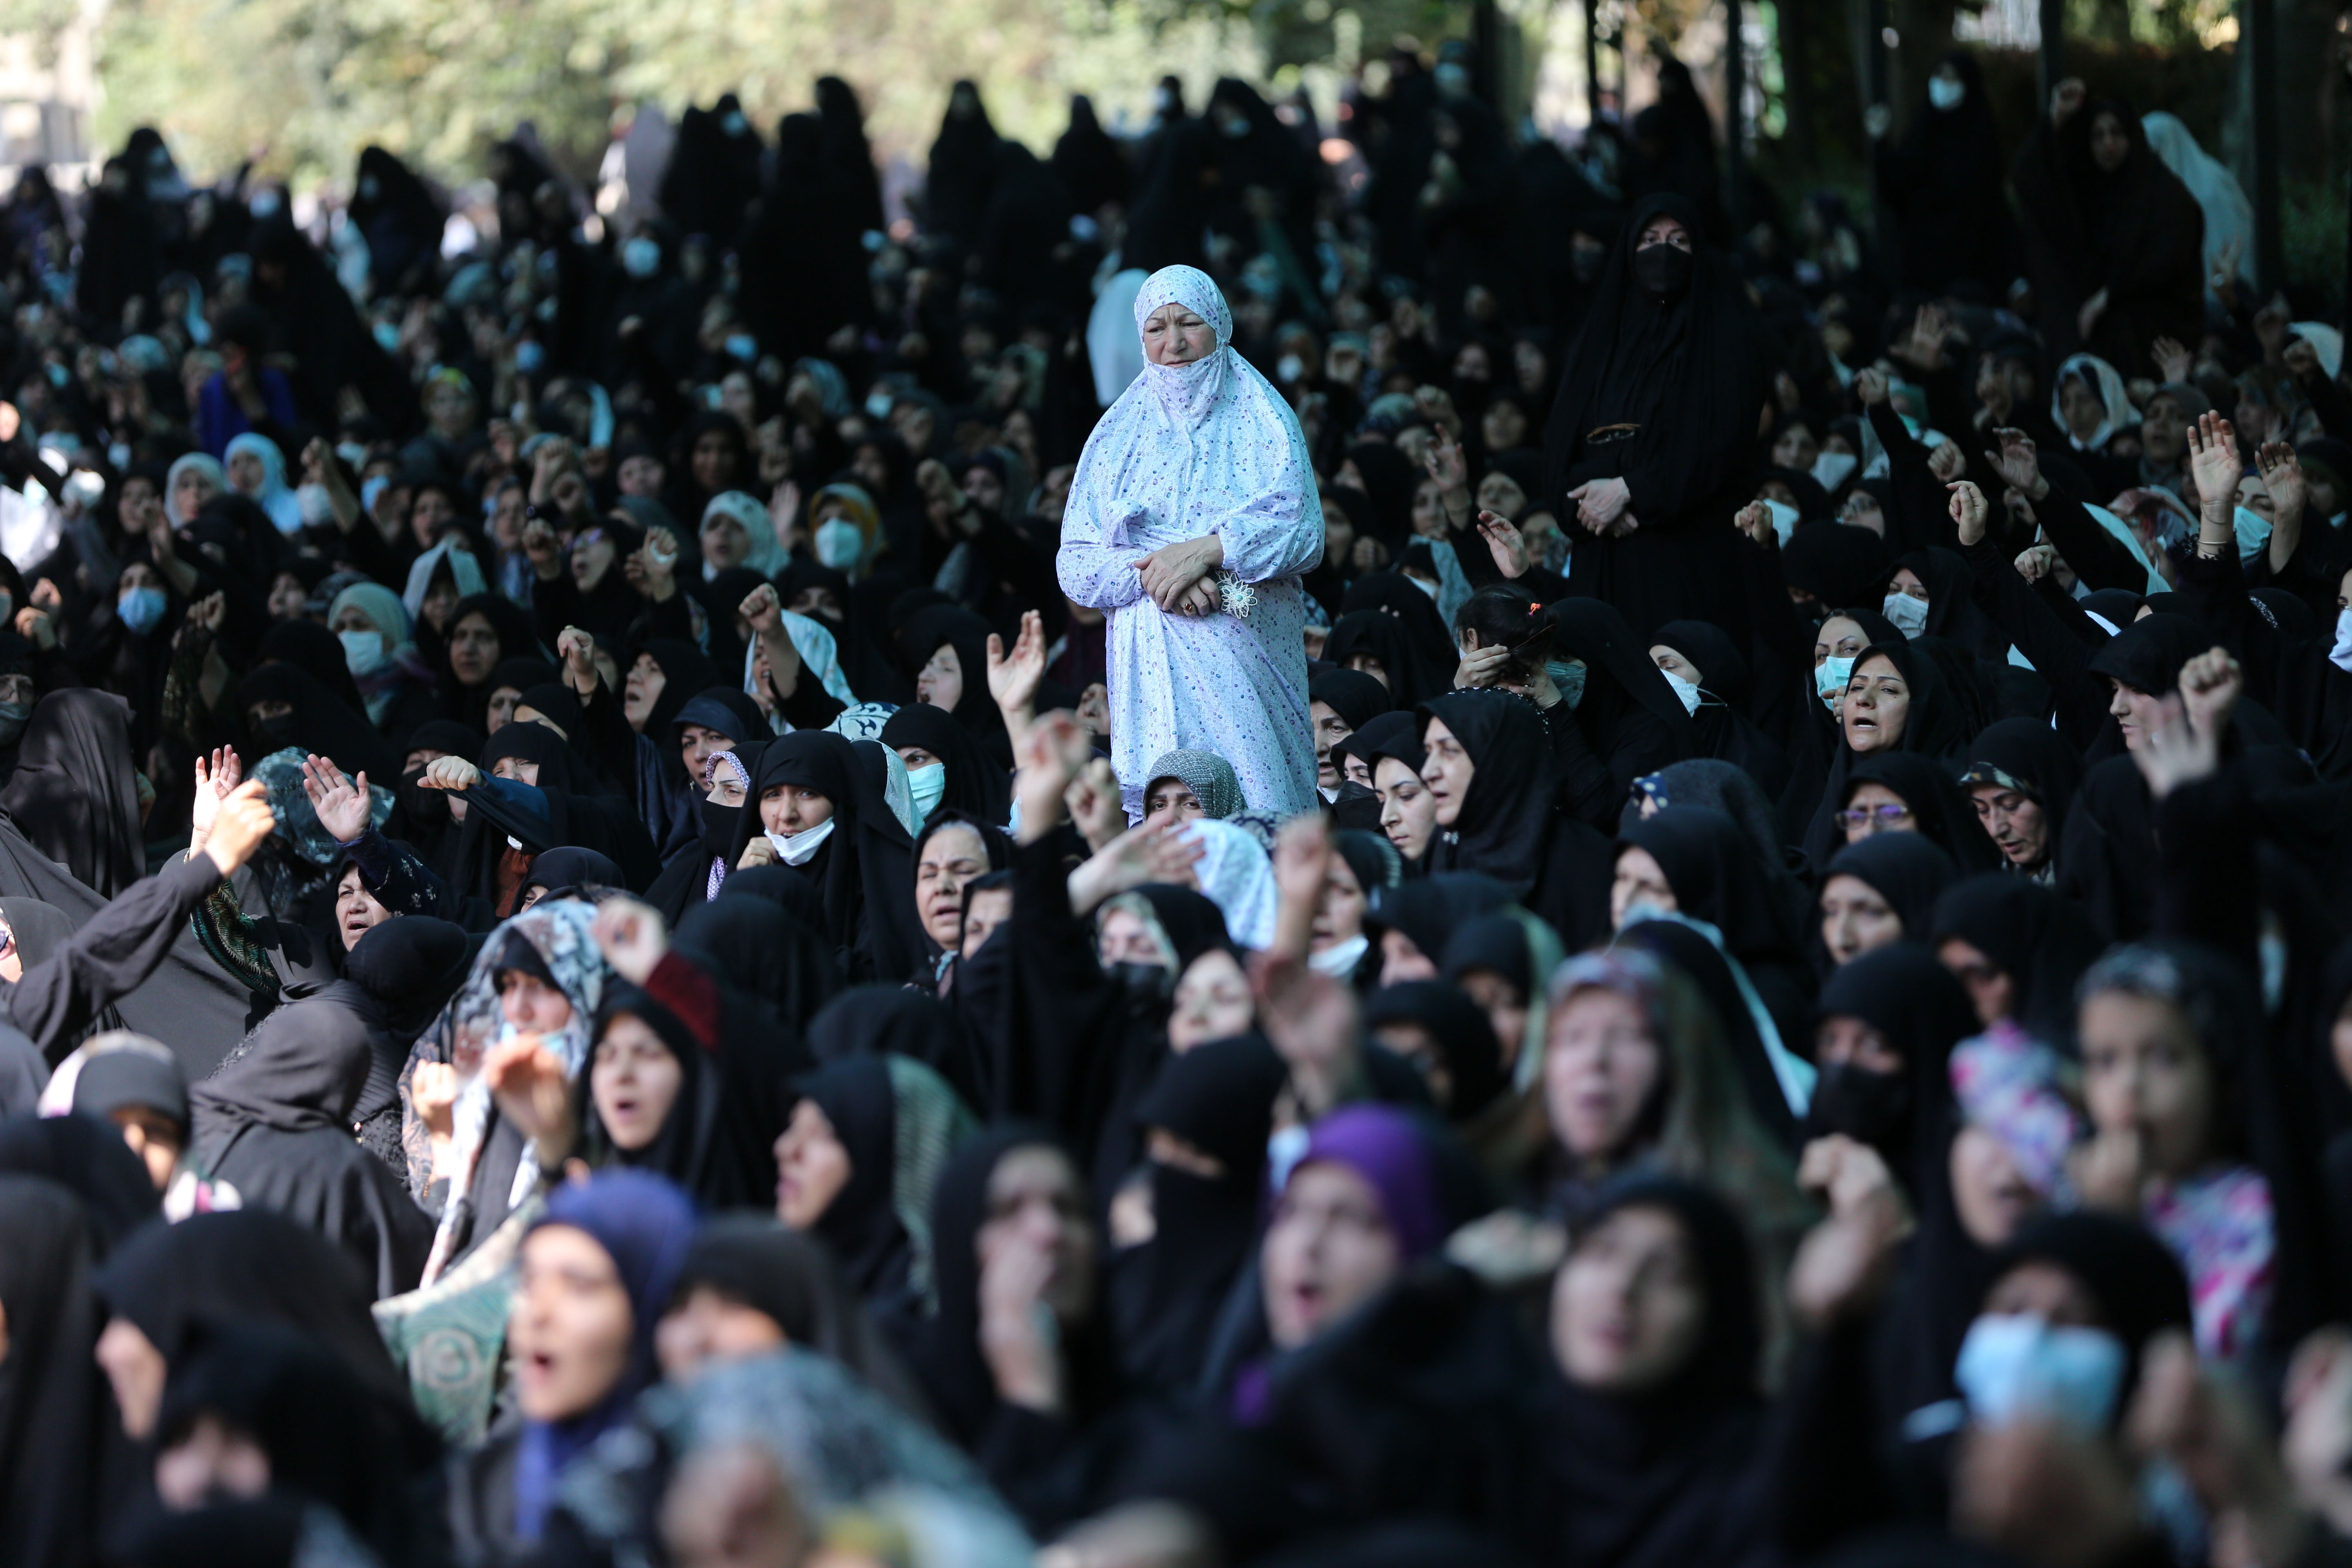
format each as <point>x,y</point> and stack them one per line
<point>1190,450</point>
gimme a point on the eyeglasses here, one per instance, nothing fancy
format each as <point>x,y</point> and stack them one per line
<point>1864,815</point>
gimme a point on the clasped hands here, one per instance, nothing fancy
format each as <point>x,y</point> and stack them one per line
<point>1177,577</point>
<point>1604,509</point>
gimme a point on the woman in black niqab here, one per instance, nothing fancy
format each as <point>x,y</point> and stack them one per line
<point>1940,188</point>
<point>55,1416</point>
<point>960,175</point>
<point>846,148</point>
<point>1662,394</point>
<point>1089,161</point>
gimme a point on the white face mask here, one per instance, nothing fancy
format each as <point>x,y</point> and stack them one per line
<point>1686,690</point>
<point>1423,584</point>
<point>839,544</point>
<point>1946,93</point>
<point>1909,615</point>
<point>2014,1367</point>
<point>925,786</point>
<point>2340,656</point>
<point>363,652</point>
<point>1831,468</point>
<point>2253,534</point>
<point>799,848</point>
<point>1784,518</point>
<point>1829,681</point>
<point>316,509</point>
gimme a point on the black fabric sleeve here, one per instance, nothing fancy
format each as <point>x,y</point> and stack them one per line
<point>110,956</point>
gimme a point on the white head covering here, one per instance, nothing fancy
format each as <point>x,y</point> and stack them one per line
<point>2227,214</point>
<point>203,465</point>
<point>1115,352</point>
<point>1185,394</point>
<point>1237,877</point>
<point>767,557</point>
<point>463,568</point>
<point>274,498</point>
<point>2101,375</point>
<point>2325,340</point>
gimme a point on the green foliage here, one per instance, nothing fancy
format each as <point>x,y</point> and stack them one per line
<point>312,81</point>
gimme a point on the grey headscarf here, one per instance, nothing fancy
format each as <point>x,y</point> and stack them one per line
<point>1208,776</point>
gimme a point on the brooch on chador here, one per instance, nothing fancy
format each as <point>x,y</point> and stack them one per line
<point>1235,597</point>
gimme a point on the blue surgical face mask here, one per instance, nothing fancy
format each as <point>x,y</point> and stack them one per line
<point>2014,1367</point>
<point>1829,681</point>
<point>529,356</point>
<point>1946,93</point>
<point>839,544</point>
<point>387,337</point>
<point>1908,613</point>
<point>926,786</point>
<point>1685,689</point>
<point>371,488</point>
<point>2253,534</point>
<point>363,652</point>
<point>141,609</point>
<point>640,258</point>
<point>1831,468</point>
<point>878,404</point>
<point>743,346</point>
<point>1570,678</point>
<point>1784,518</point>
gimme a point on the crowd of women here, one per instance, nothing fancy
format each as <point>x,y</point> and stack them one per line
<point>1242,847</point>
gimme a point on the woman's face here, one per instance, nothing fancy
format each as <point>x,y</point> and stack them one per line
<point>789,809</point>
<point>714,461</point>
<point>245,473</point>
<point>1872,808</point>
<point>1327,1250</point>
<point>634,1080</point>
<point>1172,334</point>
<point>530,1004</point>
<point>2015,822</point>
<point>519,770</point>
<point>1341,916</point>
<point>1171,800</point>
<point>1504,425</point>
<point>1992,1195</point>
<point>1125,939</point>
<point>1329,730</point>
<point>439,601</point>
<point>1640,880</point>
<point>1838,639</point>
<point>1213,1001</point>
<point>642,689</point>
<point>1505,1007</point>
<point>2079,404</point>
<point>351,619</point>
<point>1037,1204</point>
<point>287,597</point>
<point>989,907</point>
<point>356,911</point>
<point>725,544</point>
<point>2136,713</point>
<point>1602,1066</point>
<point>474,649</point>
<point>2144,1072</point>
<point>706,1324</point>
<point>811,1166</point>
<point>2110,143</point>
<point>1675,664</point>
<point>1370,663</point>
<point>570,1324</point>
<point>1500,494</point>
<point>1447,771</point>
<point>1796,447</point>
<point>1628,1307</point>
<point>1856,919</point>
<point>1877,704</point>
<point>952,858</point>
<point>429,514</point>
<point>592,555</point>
<point>191,489</point>
<point>500,711</point>
<point>1428,510</point>
<point>941,683</point>
<point>1993,990</point>
<point>1408,811</point>
<point>1666,231</point>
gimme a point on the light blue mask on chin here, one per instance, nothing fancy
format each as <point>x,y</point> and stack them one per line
<point>2253,534</point>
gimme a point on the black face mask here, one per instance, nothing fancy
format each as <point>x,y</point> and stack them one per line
<point>1140,980</point>
<point>425,806</point>
<point>1873,1107</point>
<point>277,730</point>
<point>720,824</point>
<point>1662,270</point>
<point>1585,265</point>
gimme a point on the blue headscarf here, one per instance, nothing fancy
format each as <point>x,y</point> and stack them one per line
<point>646,1225</point>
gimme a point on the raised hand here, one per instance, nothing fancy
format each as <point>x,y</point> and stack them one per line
<point>1315,1024</point>
<point>2283,477</point>
<point>577,649</point>
<point>1505,543</point>
<point>1970,511</point>
<point>1755,520</point>
<point>763,609</point>
<point>2018,462</point>
<point>540,545</point>
<point>212,785</point>
<point>432,1095</point>
<point>532,1091</point>
<point>1094,802</point>
<point>1944,461</point>
<point>2210,685</point>
<point>2214,466</point>
<point>1162,852</point>
<point>1013,677</point>
<point>240,822</point>
<point>1926,347</point>
<point>2173,360</point>
<point>631,936</point>
<point>1870,386</point>
<point>342,804</point>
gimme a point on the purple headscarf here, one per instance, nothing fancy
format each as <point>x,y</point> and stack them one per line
<point>1384,1146</point>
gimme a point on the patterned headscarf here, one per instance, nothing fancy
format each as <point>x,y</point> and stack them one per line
<point>1208,776</point>
<point>281,773</point>
<point>1186,393</point>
